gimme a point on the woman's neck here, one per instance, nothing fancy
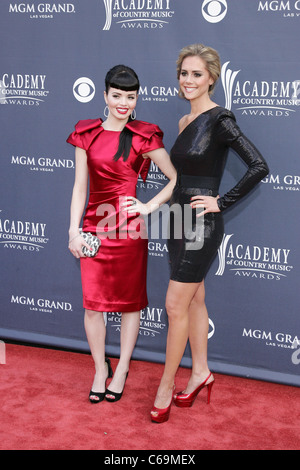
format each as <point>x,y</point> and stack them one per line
<point>111,124</point>
<point>201,105</point>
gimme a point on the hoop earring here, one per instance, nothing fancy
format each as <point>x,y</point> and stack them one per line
<point>106,111</point>
<point>133,115</point>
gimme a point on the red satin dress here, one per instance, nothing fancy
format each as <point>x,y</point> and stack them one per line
<point>115,279</point>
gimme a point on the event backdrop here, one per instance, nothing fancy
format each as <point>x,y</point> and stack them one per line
<point>54,56</point>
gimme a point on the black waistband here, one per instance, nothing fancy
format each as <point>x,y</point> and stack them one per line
<point>192,181</point>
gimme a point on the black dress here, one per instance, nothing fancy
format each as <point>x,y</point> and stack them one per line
<point>199,156</point>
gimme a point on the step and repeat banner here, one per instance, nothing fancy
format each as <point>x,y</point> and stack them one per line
<point>54,57</point>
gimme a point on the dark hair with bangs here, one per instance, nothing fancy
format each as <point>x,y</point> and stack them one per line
<point>123,78</point>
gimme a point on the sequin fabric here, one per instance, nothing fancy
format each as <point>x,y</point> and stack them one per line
<point>199,156</point>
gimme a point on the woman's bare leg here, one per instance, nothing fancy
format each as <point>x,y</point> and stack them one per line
<point>129,332</point>
<point>198,338</point>
<point>178,299</point>
<point>96,331</point>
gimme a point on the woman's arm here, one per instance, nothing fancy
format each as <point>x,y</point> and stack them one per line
<point>161,158</point>
<point>79,195</point>
<point>228,133</point>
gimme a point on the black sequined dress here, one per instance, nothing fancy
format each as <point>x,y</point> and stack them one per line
<point>199,156</point>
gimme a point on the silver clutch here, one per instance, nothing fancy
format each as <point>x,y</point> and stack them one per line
<point>92,241</point>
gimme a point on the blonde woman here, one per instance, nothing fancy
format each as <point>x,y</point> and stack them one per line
<point>199,156</point>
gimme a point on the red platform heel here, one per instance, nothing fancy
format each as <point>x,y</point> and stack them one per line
<point>185,400</point>
<point>161,415</point>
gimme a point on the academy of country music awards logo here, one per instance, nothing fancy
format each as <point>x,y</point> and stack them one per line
<point>22,235</point>
<point>137,14</point>
<point>23,89</point>
<point>154,14</point>
<point>153,322</point>
<point>253,97</point>
<point>252,261</point>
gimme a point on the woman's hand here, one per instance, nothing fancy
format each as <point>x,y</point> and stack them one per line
<point>75,246</point>
<point>133,206</point>
<point>208,203</point>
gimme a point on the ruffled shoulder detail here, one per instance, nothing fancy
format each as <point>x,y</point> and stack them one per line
<point>85,133</point>
<point>86,125</point>
<point>144,129</point>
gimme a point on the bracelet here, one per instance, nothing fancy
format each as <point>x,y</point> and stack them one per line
<point>74,238</point>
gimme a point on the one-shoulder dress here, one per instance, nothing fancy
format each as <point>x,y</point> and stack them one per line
<point>115,279</point>
<point>199,156</point>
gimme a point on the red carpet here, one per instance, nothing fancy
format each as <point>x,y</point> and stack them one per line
<point>44,406</point>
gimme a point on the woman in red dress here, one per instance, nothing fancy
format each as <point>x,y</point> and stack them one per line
<point>111,155</point>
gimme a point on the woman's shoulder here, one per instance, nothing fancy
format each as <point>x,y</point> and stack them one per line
<point>85,133</point>
<point>144,129</point>
<point>86,125</point>
<point>183,122</point>
<point>218,112</point>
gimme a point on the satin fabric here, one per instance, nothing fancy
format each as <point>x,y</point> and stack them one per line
<point>115,279</point>
<point>199,156</point>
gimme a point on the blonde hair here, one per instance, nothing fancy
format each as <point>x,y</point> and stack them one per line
<point>208,55</point>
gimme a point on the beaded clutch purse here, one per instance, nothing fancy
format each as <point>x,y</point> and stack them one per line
<point>92,241</point>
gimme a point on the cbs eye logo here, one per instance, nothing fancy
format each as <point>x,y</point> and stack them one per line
<point>84,89</point>
<point>214,10</point>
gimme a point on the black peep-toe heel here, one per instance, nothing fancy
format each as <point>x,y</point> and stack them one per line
<point>101,395</point>
<point>114,396</point>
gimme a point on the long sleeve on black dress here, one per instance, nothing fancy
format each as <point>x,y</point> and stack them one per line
<point>230,134</point>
